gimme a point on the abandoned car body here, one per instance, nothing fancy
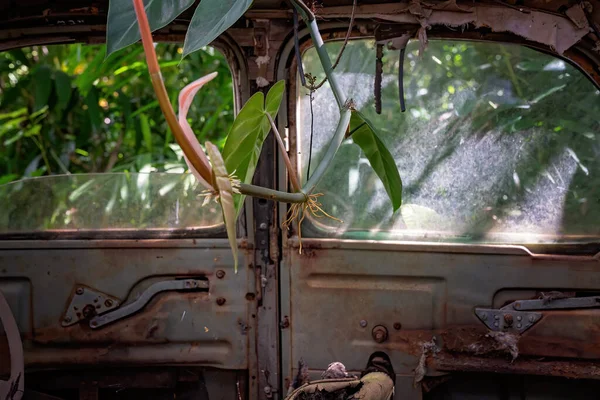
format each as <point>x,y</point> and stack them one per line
<point>485,284</point>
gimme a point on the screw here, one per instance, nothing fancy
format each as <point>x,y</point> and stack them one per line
<point>397,326</point>
<point>379,334</point>
<point>531,318</point>
<point>263,226</point>
<point>68,319</point>
<point>108,303</point>
<point>220,301</point>
<point>79,291</point>
<point>220,274</point>
<point>483,316</point>
<point>519,318</point>
<point>363,323</point>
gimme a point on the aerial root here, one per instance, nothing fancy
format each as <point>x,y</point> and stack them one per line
<point>297,212</point>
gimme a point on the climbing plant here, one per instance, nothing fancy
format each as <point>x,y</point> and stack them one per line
<point>227,176</point>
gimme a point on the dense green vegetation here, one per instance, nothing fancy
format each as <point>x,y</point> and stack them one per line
<point>69,109</point>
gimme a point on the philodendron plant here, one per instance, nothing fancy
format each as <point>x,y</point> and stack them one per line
<point>226,176</point>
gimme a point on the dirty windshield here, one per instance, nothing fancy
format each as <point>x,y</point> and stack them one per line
<point>498,143</point>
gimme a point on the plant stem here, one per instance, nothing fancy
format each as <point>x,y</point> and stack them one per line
<point>334,145</point>
<point>270,194</point>
<point>311,22</point>
<point>162,96</point>
<point>286,159</point>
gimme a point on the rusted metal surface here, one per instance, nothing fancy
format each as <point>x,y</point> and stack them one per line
<point>188,328</point>
<point>433,295</point>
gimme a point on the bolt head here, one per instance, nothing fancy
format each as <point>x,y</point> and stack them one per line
<point>363,323</point>
<point>379,334</point>
<point>220,274</point>
<point>79,291</point>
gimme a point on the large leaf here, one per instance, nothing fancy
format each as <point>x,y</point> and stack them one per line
<point>122,27</point>
<point>249,131</point>
<point>43,86</point>
<point>382,162</point>
<point>62,82</point>
<point>211,18</point>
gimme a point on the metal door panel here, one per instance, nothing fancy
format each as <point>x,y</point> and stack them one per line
<point>340,290</point>
<point>202,328</point>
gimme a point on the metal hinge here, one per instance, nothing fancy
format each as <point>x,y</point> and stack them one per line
<point>521,315</point>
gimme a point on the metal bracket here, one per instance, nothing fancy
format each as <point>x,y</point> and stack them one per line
<point>507,320</point>
<point>86,303</point>
<point>145,297</point>
<point>555,304</point>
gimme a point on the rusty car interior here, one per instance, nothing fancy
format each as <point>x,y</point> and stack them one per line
<point>485,286</point>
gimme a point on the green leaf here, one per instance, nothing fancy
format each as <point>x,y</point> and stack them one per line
<point>122,27</point>
<point>8,178</point>
<point>145,126</point>
<point>62,82</point>
<point>226,197</point>
<point>382,162</point>
<point>43,86</point>
<point>211,18</point>
<point>249,131</point>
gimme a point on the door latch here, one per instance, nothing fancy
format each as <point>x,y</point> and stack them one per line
<point>101,309</point>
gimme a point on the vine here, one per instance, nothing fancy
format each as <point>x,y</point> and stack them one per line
<point>226,176</point>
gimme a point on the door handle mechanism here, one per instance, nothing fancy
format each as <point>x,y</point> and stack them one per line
<point>145,297</point>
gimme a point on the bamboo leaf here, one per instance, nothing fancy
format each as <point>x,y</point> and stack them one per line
<point>211,18</point>
<point>122,27</point>
<point>145,127</point>
<point>226,199</point>
<point>382,162</point>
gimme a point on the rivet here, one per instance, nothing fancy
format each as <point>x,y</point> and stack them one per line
<point>496,324</point>
<point>531,318</point>
<point>496,317</point>
<point>519,318</point>
<point>68,319</point>
<point>79,291</point>
<point>363,323</point>
<point>220,301</point>
<point>518,325</point>
<point>220,274</point>
<point>397,326</point>
<point>483,316</point>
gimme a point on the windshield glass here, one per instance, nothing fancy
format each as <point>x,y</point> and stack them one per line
<point>115,201</point>
<point>499,143</point>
